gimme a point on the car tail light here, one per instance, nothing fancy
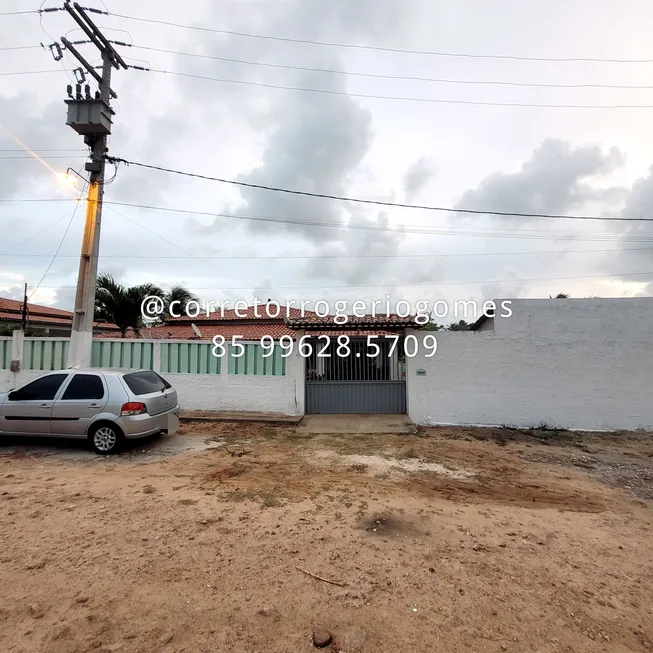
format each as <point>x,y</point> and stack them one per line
<point>133,408</point>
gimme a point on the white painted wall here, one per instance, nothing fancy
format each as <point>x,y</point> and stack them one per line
<point>578,364</point>
<point>222,392</point>
<point>9,380</point>
<point>219,392</point>
<point>241,392</point>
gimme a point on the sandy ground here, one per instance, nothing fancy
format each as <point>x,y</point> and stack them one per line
<point>451,540</point>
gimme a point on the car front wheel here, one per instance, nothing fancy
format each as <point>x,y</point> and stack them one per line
<point>105,439</point>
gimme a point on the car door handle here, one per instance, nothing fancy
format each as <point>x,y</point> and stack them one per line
<point>42,406</point>
<point>94,405</point>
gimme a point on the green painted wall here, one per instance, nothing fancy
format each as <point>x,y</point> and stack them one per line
<point>189,358</point>
<point>44,354</point>
<point>252,362</point>
<point>5,354</point>
<point>125,354</point>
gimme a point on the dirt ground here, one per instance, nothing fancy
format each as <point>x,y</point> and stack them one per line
<point>450,540</point>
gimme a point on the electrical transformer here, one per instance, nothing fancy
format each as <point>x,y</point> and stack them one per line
<point>89,117</point>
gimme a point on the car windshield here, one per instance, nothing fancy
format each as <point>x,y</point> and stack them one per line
<point>143,383</point>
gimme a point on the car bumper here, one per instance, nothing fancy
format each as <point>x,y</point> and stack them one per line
<point>140,426</point>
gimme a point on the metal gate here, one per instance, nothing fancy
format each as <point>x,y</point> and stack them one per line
<point>356,382</point>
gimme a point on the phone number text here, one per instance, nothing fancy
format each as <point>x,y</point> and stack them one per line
<point>321,347</point>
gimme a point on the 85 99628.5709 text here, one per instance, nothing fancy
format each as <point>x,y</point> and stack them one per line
<point>324,346</point>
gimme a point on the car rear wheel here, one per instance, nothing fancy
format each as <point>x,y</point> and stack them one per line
<point>105,439</point>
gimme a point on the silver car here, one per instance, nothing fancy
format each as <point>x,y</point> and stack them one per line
<point>105,406</point>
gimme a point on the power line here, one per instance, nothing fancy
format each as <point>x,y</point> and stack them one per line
<point>464,55</point>
<point>63,238</point>
<point>4,253</point>
<point>429,283</point>
<point>171,243</point>
<point>379,48</point>
<point>40,11</point>
<point>329,257</point>
<point>20,13</point>
<point>33,72</point>
<point>38,149</point>
<point>376,202</point>
<point>395,77</point>
<point>369,96</point>
<point>403,228</point>
<point>335,71</point>
<point>405,98</point>
<point>29,199</point>
<point>20,47</point>
<point>18,158</point>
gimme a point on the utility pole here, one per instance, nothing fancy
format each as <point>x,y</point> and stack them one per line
<point>90,117</point>
<point>24,316</point>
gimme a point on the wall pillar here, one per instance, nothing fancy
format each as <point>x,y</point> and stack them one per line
<point>411,364</point>
<point>156,357</point>
<point>296,369</point>
<point>17,348</point>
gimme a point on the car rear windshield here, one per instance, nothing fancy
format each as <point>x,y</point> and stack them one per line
<point>144,383</point>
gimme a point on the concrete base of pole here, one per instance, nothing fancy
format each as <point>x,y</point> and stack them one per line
<point>79,351</point>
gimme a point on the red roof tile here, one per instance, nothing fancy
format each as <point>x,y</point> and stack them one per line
<point>351,334</point>
<point>11,311</point>
<point>15,306</point>
<point>247,331</point>
<point>251,331</point>
<point>31,318</point>
<point>364,322</point>
<point>229,315</point>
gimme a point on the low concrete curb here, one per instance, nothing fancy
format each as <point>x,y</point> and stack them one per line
<point>218,416</point>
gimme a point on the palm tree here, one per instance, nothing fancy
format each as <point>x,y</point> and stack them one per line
<point>180,294</point>
<point>460,326</point>
<point>122,306</point>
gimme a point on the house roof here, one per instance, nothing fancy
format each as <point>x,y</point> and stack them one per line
<point>251,331</point>
<point>14,306</point>
<point>354,323</point>
<point>230,315</point>
<point>481,320</point>
<point>11,310</point>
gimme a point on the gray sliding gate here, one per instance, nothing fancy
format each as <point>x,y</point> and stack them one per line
<point>356,383</point>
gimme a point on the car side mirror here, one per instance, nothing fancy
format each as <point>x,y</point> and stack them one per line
<point>13,396</point>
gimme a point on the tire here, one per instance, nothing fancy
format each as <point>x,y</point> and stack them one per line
<point>106,439</point>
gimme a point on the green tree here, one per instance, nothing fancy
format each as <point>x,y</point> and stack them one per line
<point>459,326</point>
<point>432,326</point>
<point>121,305</point>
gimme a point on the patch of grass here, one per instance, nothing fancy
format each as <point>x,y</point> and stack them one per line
<point>358,467</point>
<point>407,453</point>
<point>220,475</point>
<point>237,496</point>
<point>543,426</point>
<point>266,498</point>
<point>269,501</point>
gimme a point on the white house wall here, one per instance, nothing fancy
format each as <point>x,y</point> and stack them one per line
<point>577,364</point>
<point>283,394</point>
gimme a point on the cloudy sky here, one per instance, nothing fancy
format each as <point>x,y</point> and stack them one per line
<point>464,151</point>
